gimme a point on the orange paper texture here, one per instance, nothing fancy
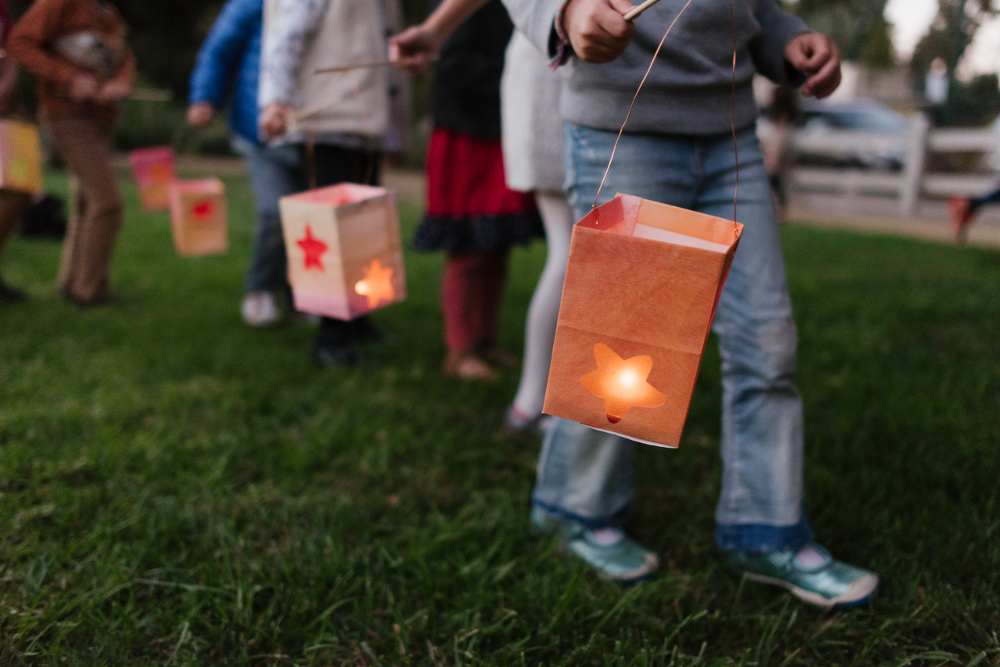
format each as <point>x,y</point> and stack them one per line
<point>198,217</point>
<point>154,172</point>
<point>20,157</point>
<point>640,294</point>
<point>345,256</point>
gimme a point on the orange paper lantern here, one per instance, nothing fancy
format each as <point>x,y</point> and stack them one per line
<point>20,157</point>
<point>641,289</point>
<point>154,172</point>
<point>198,217</point>
<point>345,256</point>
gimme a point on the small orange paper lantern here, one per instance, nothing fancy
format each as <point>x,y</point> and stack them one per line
<point>20,157</point>
<point>198,217</point>
<point>154,172</point>
<point>641,289</point>
<point>345,256</point>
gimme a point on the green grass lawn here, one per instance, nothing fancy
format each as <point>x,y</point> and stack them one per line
<point>178,489</point>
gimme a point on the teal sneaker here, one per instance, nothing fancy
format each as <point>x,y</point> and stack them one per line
<point>607,551</point>
<point>810,574</point>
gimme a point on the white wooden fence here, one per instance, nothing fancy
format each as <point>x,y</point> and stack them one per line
<point>908,185</point>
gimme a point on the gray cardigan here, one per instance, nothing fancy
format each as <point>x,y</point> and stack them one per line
<point>690,88</point>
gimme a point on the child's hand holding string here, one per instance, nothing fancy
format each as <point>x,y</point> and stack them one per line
<point>275,120</point>
<point>413,49</point>
<point>200,114</point>
<point>597,29</point>
<point>818,58</point>
<point>83,88</point>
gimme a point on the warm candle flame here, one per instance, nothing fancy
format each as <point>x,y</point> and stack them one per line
<point>622,383</point>
<point>377,284</point>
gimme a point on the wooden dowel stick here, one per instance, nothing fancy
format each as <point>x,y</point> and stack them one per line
<point>636,12</point>
<point>348,68</point>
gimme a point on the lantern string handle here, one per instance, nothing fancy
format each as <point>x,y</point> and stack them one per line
<point>311,160</point>
<point>732,113</point>
<point>642,84</point>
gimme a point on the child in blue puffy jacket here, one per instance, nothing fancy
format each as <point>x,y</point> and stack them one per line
<point>228,72</point>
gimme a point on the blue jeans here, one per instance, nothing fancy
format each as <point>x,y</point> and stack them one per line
<point>586,475</point>
<point>275,171</point>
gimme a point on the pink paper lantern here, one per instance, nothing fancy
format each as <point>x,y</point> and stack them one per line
<point>154,171</point>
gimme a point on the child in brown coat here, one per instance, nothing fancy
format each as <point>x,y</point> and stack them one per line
<point>77,49</point>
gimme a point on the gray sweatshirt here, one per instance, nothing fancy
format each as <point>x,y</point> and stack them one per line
<point>690,88</point>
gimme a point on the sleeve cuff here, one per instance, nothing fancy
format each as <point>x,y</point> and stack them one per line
<point>559,45</point>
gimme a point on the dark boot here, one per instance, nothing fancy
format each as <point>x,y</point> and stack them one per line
<point>10,294</point>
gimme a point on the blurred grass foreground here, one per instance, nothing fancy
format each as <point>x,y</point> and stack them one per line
<point>178,489</point>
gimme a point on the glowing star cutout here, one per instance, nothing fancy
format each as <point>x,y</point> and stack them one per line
<point>314,250</point>
<point>203,210</point>
<point>377,284</point>
<point>622,383</point>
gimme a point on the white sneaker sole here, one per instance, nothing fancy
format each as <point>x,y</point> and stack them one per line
<point>858,593</point>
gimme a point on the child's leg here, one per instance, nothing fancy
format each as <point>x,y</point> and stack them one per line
<point>584,473</point>
<point>459,292</point>
<point>540,329</point>
<point>330,165</point>
<point>85,144</point>
<point>760,508</point>
<point>274,173</point>
<point>977,203</point>
<point>12,205</point>
<point>70,254</point>
<point>491,281</point>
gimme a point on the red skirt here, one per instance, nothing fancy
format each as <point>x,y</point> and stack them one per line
<point>469,206</point>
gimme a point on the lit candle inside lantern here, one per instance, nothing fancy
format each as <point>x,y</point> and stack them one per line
<point>377,284</point>
<point>622,383</point>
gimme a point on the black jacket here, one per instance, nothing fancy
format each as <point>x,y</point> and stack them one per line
<point>466,94</point>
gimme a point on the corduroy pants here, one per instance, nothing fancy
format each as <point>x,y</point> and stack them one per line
<point>96,215</point>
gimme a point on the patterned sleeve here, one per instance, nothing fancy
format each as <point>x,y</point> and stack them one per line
<point>293,25</point>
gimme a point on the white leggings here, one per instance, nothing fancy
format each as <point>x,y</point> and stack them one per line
<point>540,330</point>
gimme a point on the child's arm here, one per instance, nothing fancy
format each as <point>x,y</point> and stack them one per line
<point>596,29</point>
<point>120,85</point>
<point>788,52</point>
<point>37,28</point>
<point>296,22</point>
<point>415,47</point>
<point>222,49</point>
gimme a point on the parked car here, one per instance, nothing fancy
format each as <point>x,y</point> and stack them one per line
<point>817,144</point>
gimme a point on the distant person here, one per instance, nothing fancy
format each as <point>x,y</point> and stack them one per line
<point>337,124</point>
<point>964,211</point>
<point>777,142</point>
<point>936,89</point>
<point>228,71</point>
<point>12,204</point>
<point>472,215</point>
<point>78,50</point>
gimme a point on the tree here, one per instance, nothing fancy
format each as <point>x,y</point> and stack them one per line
<point>950,34</point>
<point>969,103</point>
<point>858,26</point>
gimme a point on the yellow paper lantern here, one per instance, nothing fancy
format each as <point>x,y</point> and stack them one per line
<point>20,157</point>
<point>154,171</point>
